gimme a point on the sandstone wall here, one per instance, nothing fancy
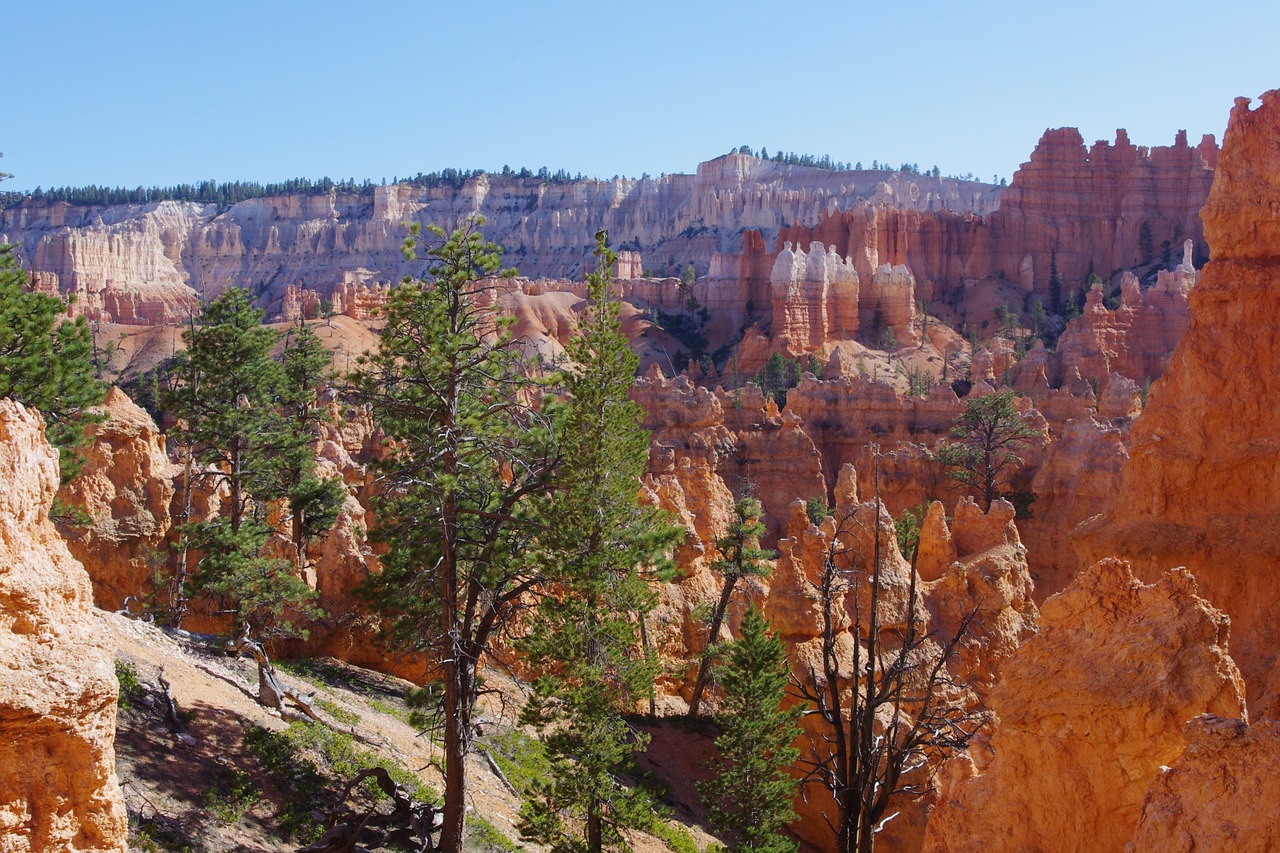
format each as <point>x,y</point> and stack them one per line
<point>58,788</point>
<point>1087,712</point>
<point>1107,208</point>
<point>126,488</point>
<point>1199,489</point>
<point>1219,794</point>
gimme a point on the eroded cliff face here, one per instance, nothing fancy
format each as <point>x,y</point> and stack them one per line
<point>1199,489</point>
<point>1088,711</point>
<point>1109,207</point>
<point>58,788</point>
<point>1218,794</point>
<point>126,488</point>
<point>141,263</point>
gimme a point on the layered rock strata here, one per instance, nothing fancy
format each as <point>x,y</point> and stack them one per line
<point>169,253</point>
<point>1110,207</point>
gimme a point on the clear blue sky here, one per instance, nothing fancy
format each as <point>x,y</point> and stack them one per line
<point>167,91</point>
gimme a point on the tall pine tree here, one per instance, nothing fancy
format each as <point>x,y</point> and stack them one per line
<point>471,453</point>
<point>228,399</point>
<point>584,640</point>
<point>750,797</point>
<point>740,558</point>
<point>46,363</point>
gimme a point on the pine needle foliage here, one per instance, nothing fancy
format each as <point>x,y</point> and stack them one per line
<point>584,638</point>
<point>984,443</point>
<point>472,452</point>
<point>238,413</point>
<point>740,558</point>
<point>751,796</point>
<point>46,363</point>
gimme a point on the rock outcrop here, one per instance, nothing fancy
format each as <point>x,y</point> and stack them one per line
<point>1135,340</point>
<point>126,488</point>
<point>1199,489</point>
<point>1088,711</point>
<point>1218,795</point>
<point>977,566</point>
<point>58,789</point>
<point>815,298</point>
<point>1112,206</point>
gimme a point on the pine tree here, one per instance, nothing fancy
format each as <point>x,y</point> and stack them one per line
<point>314,503</point>
<point>584,637</point>
<point>46,363</point>
<point>984,443</point>
<point>1055,284</point>
<point>227,397</point>
<point>740,558</point>
<point>471,453</point>
<point>751,796</point>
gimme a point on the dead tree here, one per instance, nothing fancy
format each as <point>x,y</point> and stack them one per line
<point>271,693</point>
<point>893,717</point>
<point>410,825</point>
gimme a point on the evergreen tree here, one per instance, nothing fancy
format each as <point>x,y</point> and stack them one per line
<point>314,503</point>
<point>1055,284</point>
<point>227,396</point>
<point>740,557</point>
<point>471,452</point>
<point>751,796</point>
<point>584,637</point>
<point>46,363</point>
<point>778,376</point>
<point>984,443</point>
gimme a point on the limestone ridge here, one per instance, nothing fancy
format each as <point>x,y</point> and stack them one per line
<point>1109,207</point>
<point>166,254</point>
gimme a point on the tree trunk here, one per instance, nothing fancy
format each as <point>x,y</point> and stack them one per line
<point>704,668</point>
<point>456,699</point>
<point>595,829</point>
<point>177,598</point>
<point>644,644</point>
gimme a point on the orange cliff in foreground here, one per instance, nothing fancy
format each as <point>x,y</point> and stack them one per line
<point>1200,487</point>
<point>58,788</point>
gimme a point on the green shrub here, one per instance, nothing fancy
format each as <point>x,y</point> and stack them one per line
<point>676,837</point>
<point>816,509</point>
<point>484,837</point>
<point>131,689</point>
<point>339,713</point>
<point>521,757</point>
<point>233,794</point>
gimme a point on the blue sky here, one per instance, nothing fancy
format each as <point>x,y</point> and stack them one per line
<point>167,91</point>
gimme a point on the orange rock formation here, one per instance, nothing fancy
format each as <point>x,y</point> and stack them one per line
<point>126,487</point>
<point>58,788</point>
<point>1088,711</point>
<point>1199,489</point>
<point>1219,794</point>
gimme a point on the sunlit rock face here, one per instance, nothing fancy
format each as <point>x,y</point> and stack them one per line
<point>1087,712</point>
<point>1199,489</point>
<point>58,788</point>
<point>150,263</point>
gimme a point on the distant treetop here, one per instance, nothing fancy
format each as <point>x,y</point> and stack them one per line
<point>230,192</point>
<point>227,193</point>
<point>813,161</point>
